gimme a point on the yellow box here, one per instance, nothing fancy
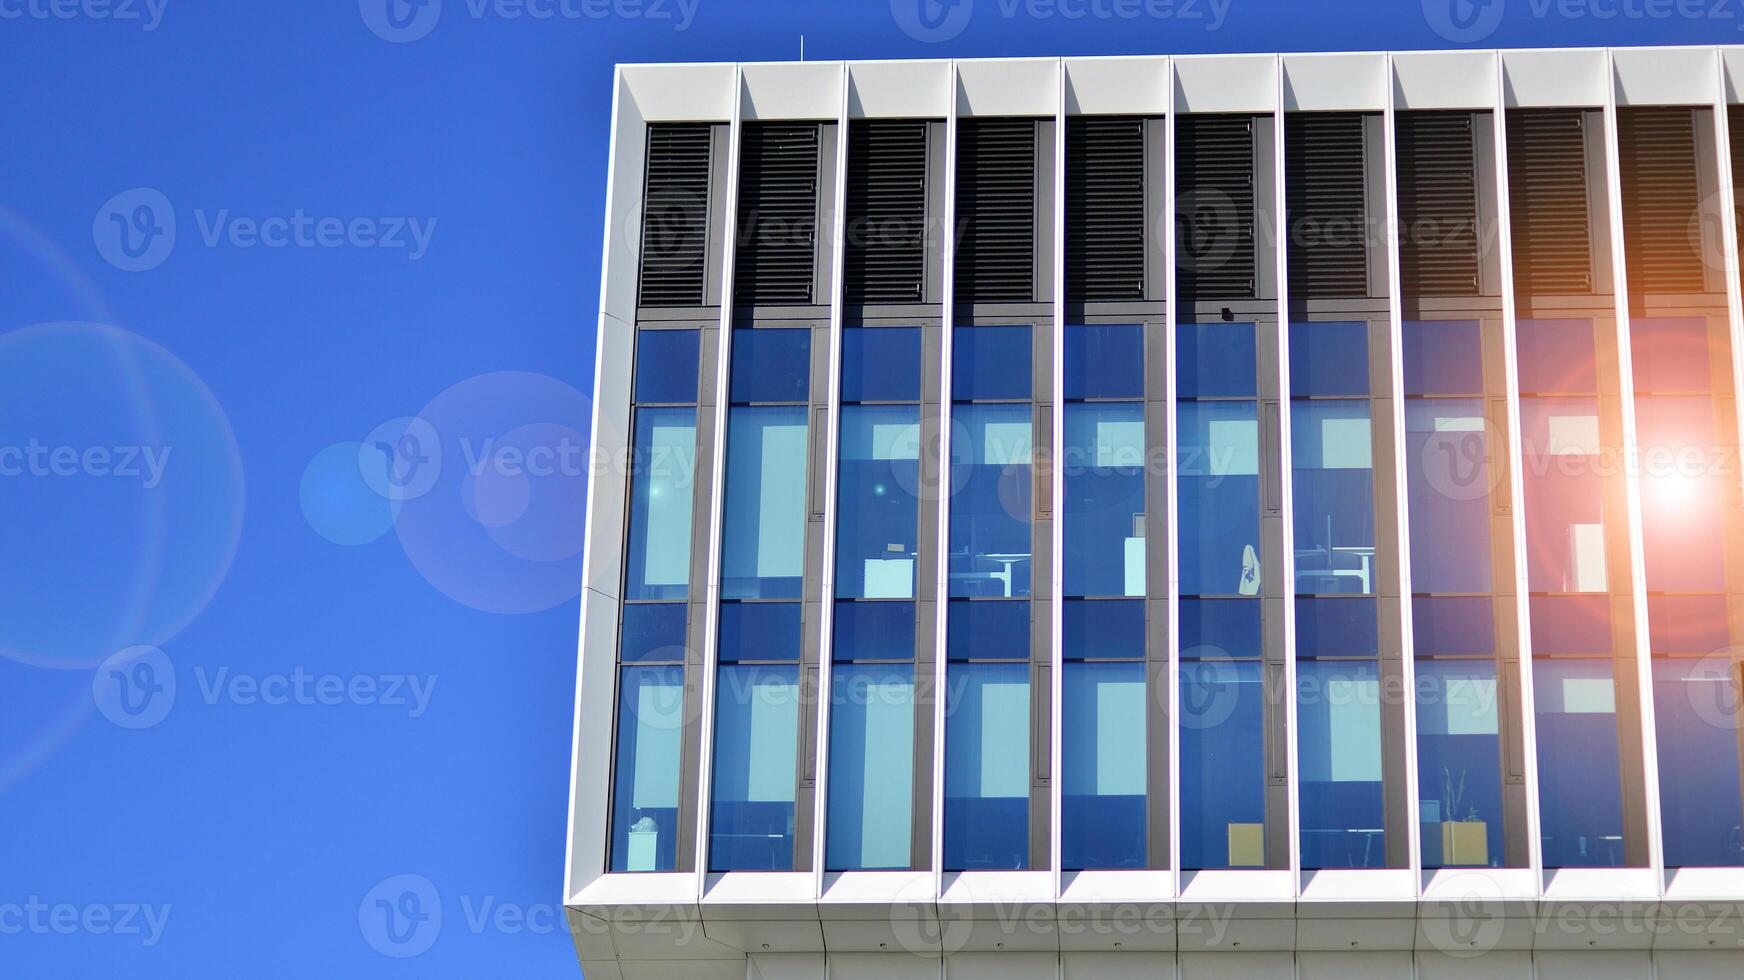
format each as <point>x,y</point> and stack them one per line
<point>1247,845</point>
<point>1465,843</point>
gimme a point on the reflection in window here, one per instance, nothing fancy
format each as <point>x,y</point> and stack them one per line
<point>1105,499</point>
<point>878,509</point>
<point>1223,767</point>
<point>1218,467</point>
<point>1579,789</point>
<point>645,793</point>
<point>1339,763</point>
<point>1449,506</point>
<point>756,741</point>
<point>1459,763</point>
<point>987,777</point>
<point>871,766</point>
<point>1564,482</point>
<point>763,539</point>
<point>1696,714</point>
<point>661,485</point>
<point>992,484</point>
<point>1103,735</point>
<point>1333,460</point>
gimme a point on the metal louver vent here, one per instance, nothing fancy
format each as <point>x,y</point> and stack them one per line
<point>1662,199</point>
<point>1214,186</point>
<point>1438,204</point>
<point>776,261</point>
<point>996,210</point>
<point>1735,139</point>
<point>1327,204</point>
<point>1105,208</point>
<point>885,260</point>
<point>675,215</point>
<point>1547,195</point>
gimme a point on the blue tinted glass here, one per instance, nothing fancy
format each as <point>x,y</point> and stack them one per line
<point>1443,357</point>
<point>760,631</point>
<point>666,366</point>
<point>1563,481</point>
<point>1104,510</point>
<point>1221,628</point>
<point>1105,361</point>
<point>1688,624</point>
<point>1556,357</point>
<point>987,774</point>
<point>1672,355</point>
<point>771,365</point>
<point>871,768</point>
<point>1449,505</point>
<point>1684,488</point>
<point>1223,765</point>
<point>1453,625</point>
<point>992,484</point>
<point>763,541</point>
<point>874,631</point>
<point>1337,628</point>
<point>1334,509</point>
<point>653,633</point>
<point>1103,747</point>
<point>1215,360</point>
<point>663,480</point>
<point>1459,763</point>
<point>1329,359</point>
<point>1339,761</point>
<point>991,363</point>
<point>1577,624</point>
<point>987,630</point>
<point>1580,792</point>
<point>881,364</point>
<point>1217,464</point>
<point>755,758</point>
<point>1696,713</point>
<point>878,512</point>
<point>1103,629</point>
<point>645,787</point>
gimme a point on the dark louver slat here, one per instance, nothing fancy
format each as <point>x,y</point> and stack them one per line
<point>776,258</point>
<point>1327,204</point>
<point>1214,186</point>
<point>996,205</point>
<point>675,215</point>
<point>1735,139</point>
<point>1662,199</point>
<point>885,261</point>
<point>1438,204</point>
<point>1547,195</point>
<point>1105,208</point>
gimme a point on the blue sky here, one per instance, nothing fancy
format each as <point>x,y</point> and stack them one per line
<point>266,646</point>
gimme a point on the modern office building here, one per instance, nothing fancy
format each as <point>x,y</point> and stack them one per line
<point>1219,517</point>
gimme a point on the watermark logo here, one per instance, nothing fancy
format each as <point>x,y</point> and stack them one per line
<point>400,21</point>
<point>1467,920</point>
<point>148,14</point>
<point>401,458</point>
<point>932,21</point>
<point>1464,21</point>
<point>36,917</point>
<point>135,688</point>
<point>135,230</point>
<point>1455,458</point>
<point>401,917</point>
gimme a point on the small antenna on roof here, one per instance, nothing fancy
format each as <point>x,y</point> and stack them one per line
<point>802,47</point>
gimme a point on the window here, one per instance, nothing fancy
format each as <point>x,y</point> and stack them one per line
<point>645,796</point>
<point>1339,764</point>
<point>1105,461</point>
<point>871,766</point>
<point>1580,792</point>
<point>987,773</point>
<point>1696,714</point>
<point>1458,763</point>
<point>756,744</point>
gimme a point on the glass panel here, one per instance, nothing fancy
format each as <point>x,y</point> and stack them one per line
<point>771,365</point>
<point>1673,355</point>
<point>755,758</point>
<point>1105,361</point>
<point>1218,463</point>
<point>1215,360</point>
<point>1696,710</point>
<point>881,364</point>
<point>874,631</point>
<point>1453,625</point>
<point>1443,358</point>
<point>661,484</point>
<point>763,544</point>
<point>1339,760</point>
<point>1337,628</point>
<point>878,511</point>
<point>1102,821</point>
<point>871,768</point>
<point>1333,458</point>
<point>992,363</point>
<point>645,795</point>
<point>653,632</point>
<point>987,630</point>
<point>1103,629</point>
<point>1564,482</point>
<point>1685,476</point>
<point>992,486</point>
<point>1223,765</point>
<point>1450,488</point>
<point>1688,624</point>
<point>1221,628</point>
<point>1459,763</point>
<point>1571,624</point>
<point>1580,792</point>
<point>1104,509</point>
<point>1557,357</point>
<point>760,631</point>
<point>1329,359</point>
<point>987,778</point>
<point>666,363</point>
